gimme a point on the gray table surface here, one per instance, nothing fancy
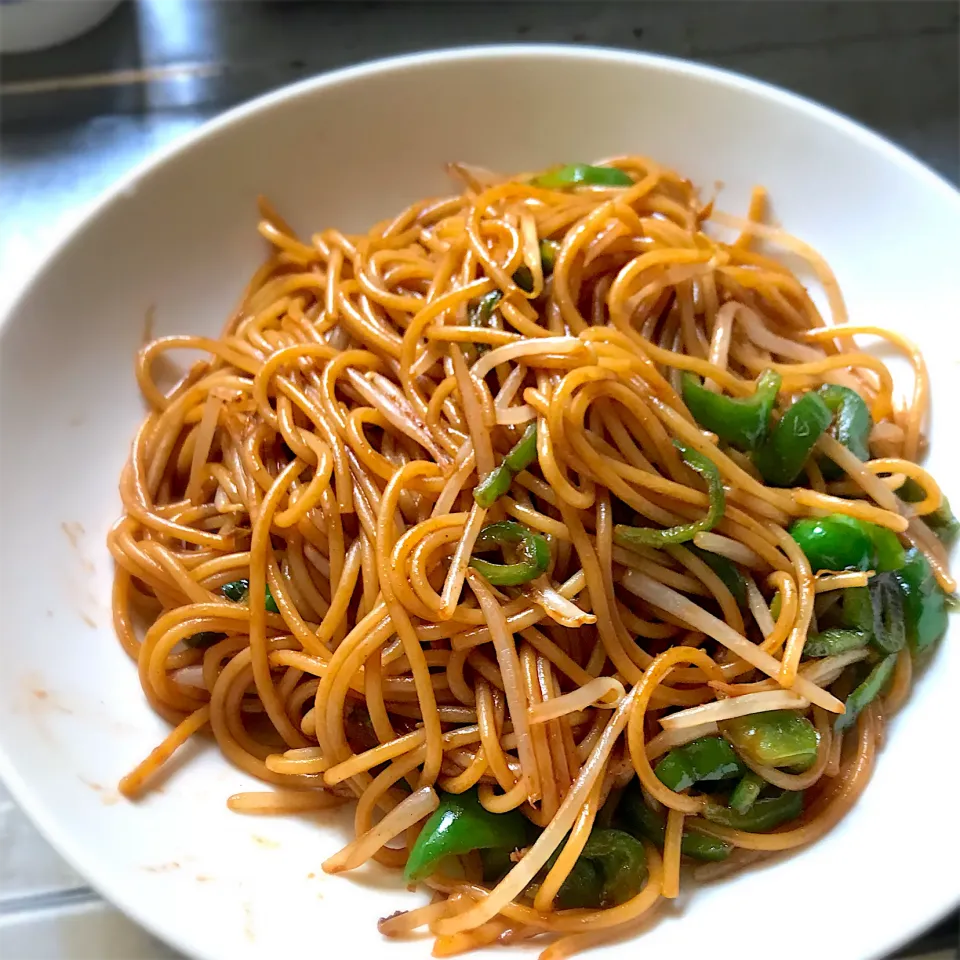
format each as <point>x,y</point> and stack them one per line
<point>75,118</point>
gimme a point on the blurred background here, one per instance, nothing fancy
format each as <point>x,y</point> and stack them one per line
<point>77,115</point>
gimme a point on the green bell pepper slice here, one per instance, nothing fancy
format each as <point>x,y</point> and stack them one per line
<point>533,548</point>
<point>497,482</point>
<point>705,759</point>
<point>851,426</point>
<point>652,537</point>
<point>611,869</point>
<point>480,311</point>
<point>831,543</point>
<point>765,813</point>
<point>583,175</point>
<point>942,521</point>
<point>924,603</point>
<point>776,606</point>
<point>461,824</point>
<point>637,818</point>
<point>496,862</point>
<point>548,255</point>
<point>774,738</point>
<point>782,456</point>
<point>740,421</point>
<point>889,551</point>
<point>840,542</point>
<point>727,571</point>
<point>746,792</point>
<point>524,451</point>
<point>523,276</point>
<point>493,486</point>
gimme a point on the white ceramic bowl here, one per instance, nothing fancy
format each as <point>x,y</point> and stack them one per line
<point>348,149</point>
<point>27,25</point>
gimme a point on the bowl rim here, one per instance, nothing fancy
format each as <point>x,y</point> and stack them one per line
<point>19,787</point>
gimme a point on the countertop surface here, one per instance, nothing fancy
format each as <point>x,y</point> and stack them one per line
<point>75,118</point>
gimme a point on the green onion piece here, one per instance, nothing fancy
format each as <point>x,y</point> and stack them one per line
<point>836,640</point>
<point>523,276</point>
<point>781,457</point>
<point>582,174</point>
<point>493,486</point>
<point>889,630</point>
<point>533,548</point>
<point>204,639</point>
<point>524,451</point>
<point>746,792</point>
<point>269,602</point>
<point>739,421</point>
<point>856,610</point>
<point>866,693</point>
<point>651,537</point>
<point>237,591</point>
<point>481,310</point>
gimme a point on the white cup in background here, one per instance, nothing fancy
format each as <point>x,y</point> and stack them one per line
<point>35,24</point>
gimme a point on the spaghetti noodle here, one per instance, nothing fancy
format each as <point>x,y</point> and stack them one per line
<point>557,531</point>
